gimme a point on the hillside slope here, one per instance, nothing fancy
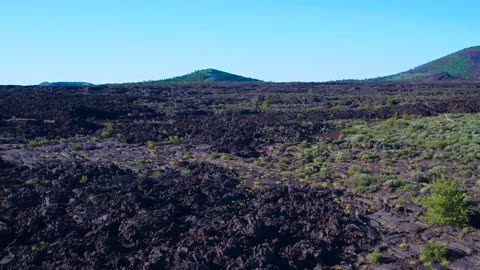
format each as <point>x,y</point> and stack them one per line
<point>210,75</point>
<point>461,65</point>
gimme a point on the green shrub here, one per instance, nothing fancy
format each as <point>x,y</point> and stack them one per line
<point>38,142</point>
<point>310,92</point>
<point>361,182</point>
<point>389,101</point>
<point>438,144</point>
<point>374,257</point>
<point>84,179</point>
<point>325,173</point>
<point>150,144</point>
<point>266,103</point>
<point>255,102</point>
<point>394,183</point>
<point>175,140</point>
<point>368,155</point>
<point>260,160</point>
<point>434,252</point>
<point>343,156</point>
<point>439,171</point>
<point>446,204</point>
<point>140,161</point>
<point>107,131</point>
<point>355,170</point>
<point>319,185</point>
<point>312,168</point>
<point>76,147</point>
<point>312,152</point>
<point>395,118</point>
<point>185,172</point>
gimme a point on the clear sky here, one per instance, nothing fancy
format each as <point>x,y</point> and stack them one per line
<point>103,41</point>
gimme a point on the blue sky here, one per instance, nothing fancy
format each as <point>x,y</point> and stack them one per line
<point>103,41</point>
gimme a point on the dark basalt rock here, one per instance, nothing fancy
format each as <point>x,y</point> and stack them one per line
<point>200,221</point>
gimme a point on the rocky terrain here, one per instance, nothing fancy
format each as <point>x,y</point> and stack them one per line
<point>235,175</point>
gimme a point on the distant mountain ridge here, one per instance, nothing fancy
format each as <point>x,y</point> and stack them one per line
<point>66,84</point>
<point>210,75</point>
<point>461,65</point>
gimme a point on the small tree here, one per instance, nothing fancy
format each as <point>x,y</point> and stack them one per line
<point>255,102</point>
<point>446,204</point>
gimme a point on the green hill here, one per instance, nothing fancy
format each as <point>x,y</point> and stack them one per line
<point>66,84</point>
<point>461,65</point>
<point>210,75</point>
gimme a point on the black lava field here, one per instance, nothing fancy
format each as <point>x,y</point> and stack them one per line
<point>206,176</point>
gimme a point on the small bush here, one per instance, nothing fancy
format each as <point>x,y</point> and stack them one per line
<point>361,182</point>
<point>107,131</point>
<point>395,118</point>
<point>312,152</point>
<point>369,155</point>
<point>38,142</point>
<point>255,102</point>
<point>76,147</point>
<point>84,179</point>
<point>325,173</point>
<point>446,205</point>
<point>343,156</point>
<point>312,168</point>
<point>266,103</point>
<point>175,140</point>
<point>260,161</point>
<point>437,144</point>
<point>185,172</point>
<point>374,257</point>
<point>140,161</point>
<point>389,101</point>
<point>394,183</point>
<point>353,170</point>
<point>319,185</point>
<point>150,144</point>
<point>434,252</point>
